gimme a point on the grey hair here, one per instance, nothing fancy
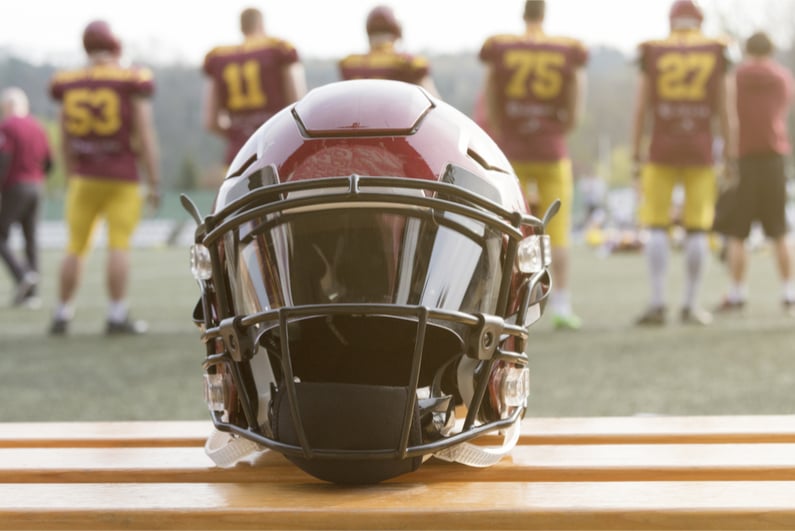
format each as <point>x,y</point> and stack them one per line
<point>14,101</point>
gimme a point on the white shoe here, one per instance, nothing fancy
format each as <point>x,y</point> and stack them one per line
<point>25,288</point>
<point>32,302</point>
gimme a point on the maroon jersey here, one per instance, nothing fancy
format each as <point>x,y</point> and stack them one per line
<point>684,73</point>
<point>97,110</point>
<point>249,80</point>
<point>764,93</point>
<point>384,62</point>
<point>24,142</point>
<point>533,75</point>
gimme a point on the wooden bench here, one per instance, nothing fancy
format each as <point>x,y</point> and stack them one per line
<point>572,473</point>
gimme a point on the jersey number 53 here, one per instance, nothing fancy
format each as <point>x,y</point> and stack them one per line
<point>92,111</point>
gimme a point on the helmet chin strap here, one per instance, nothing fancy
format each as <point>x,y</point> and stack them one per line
<point>481,456</point>
<point>227,450</point>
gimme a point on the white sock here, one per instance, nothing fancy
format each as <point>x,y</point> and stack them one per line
<point>788,290</point>
<point>657,257</point>
<point>64,312</point>
<point>736,293</point>
<point>117,311</point>
<point>696,253</point>
<point>560,302</point>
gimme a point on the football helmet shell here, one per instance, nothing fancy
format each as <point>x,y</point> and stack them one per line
<point>98,37</point>
<point>366,286</point>
<point>685,10</point>
<point>382,19</point>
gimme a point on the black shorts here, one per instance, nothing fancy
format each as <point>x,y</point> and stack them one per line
<point>760,195</point>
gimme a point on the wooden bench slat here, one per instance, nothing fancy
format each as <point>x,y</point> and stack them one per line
<point>552,430</point>
<point>659,429</point>
<point>566,473</point>
<point>726,462</point>
<point>505,505</point>
<point>102,434</point>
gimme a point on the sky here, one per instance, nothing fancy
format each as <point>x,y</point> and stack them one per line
<point>165,31</point>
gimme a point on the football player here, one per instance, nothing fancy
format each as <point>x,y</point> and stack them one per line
<point>107,130</point>
<point>764,95</point>
<point>682,91</point>
<point>533,94</point>
<point>247,83</point>
<point>383,60</point>
<point>25,159</point>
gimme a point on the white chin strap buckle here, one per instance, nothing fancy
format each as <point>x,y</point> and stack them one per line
<point>228,450</point>
<point>481,456</point>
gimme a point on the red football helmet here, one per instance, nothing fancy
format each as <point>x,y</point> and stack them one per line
<point>685,10</point>
<point>381,19</point>
<point>368,275</point>
<point>98,37</point>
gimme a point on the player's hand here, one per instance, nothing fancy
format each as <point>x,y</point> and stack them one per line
<point>636,170</point>
<point>730,174</point>
<point>153,198</point>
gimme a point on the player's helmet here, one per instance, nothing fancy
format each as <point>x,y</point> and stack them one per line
<point>368,274</point>
<point>685,10</point>
<point>382,19</point>
<point>98,37</point>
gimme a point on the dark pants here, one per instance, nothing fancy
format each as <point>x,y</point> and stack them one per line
<point>20,204</point>
<point>760,195</point>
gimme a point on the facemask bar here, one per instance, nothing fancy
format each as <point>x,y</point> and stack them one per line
<point>235,331</point>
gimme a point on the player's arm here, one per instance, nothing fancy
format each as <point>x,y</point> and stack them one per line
<point>428,84</point>
<point>575,96</point>
<point>642,99</point>
<point>149,154</point>
<point>212,117</point>
<point>67,157</point>
<point>294,82</point>
<point>727,117</point>
<point>491,97</point>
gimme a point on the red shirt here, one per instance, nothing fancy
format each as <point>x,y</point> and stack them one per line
<point>249,81</point>
<point>24,142</point>
<point>764,94</point>
<point>684,73</point>
<point>385,62</point>
<point>533,75</point>
<point>97,110</point>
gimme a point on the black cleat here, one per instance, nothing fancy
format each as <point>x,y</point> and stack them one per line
<point>696,316</point>
<point>126,327</point>
<point>728,306</point>
<point>59,327</point>
<point>653,316</point>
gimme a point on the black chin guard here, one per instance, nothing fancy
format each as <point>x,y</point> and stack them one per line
<point>349,417</point>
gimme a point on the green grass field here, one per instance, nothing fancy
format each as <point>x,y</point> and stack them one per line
<point>740,365</point>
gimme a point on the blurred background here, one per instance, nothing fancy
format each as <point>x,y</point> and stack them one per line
<point>740,365</point>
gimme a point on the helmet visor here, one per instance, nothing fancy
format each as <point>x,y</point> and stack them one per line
<point>364,253</point>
